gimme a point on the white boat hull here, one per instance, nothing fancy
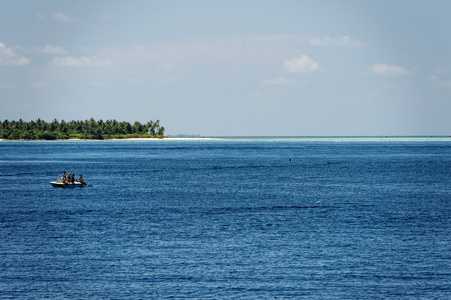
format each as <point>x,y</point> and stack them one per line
<point>67,185</point>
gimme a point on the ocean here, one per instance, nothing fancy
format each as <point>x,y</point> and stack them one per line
<point>230,218</point>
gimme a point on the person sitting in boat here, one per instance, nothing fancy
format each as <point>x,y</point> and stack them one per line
<point>69,178</point>
<point>63,178</point>
<point>72,179</point>
<point>80,179</point>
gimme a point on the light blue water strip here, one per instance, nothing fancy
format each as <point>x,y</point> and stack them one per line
<point>269,139</point>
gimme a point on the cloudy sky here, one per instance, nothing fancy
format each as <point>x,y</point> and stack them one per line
<point>215,68</point>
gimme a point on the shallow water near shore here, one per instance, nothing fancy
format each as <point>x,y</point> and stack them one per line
<point>233,218</point>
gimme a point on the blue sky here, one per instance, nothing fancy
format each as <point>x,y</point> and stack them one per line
<point>215,68</point>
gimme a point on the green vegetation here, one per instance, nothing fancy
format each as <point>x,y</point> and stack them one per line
<point>88,129</point>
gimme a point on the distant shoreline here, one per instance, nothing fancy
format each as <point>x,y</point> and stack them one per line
<point>267,139</point>
<point>126,139</point>
<point>168,138</point>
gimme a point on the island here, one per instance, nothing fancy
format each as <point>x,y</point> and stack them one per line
<point>87,130</point>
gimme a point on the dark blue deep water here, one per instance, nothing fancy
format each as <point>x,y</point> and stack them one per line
<point>226,219</point>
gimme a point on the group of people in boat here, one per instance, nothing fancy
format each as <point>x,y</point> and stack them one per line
<point>70,178</point>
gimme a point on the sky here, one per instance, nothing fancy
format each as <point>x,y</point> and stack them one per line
<point>231,68</point>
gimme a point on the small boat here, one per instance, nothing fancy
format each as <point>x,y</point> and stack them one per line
<point>67,185</point>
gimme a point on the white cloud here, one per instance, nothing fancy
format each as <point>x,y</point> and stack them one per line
<point>49,49</point>
<point>387,70</point>
<point>106,16</point>
<point>439,82</point>
<point>441,71</point>
<point>167,66</point>
<point>133,81</point>
<point>9,58</point>
<point>337,41</point>
<point>6,86</point>
<point>39,84</point>
<point>41,16</point>
<point>301,64</point>
<point>82,61</point>
<point>239,48</point>
<point>167,80</point>
<point>253,94</point>
<point>62,17</point>
<point>279,80</point>
<point>445,84</point>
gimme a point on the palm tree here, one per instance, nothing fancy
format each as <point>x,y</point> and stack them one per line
<point>54,125</point>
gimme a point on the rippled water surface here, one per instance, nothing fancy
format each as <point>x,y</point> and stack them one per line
<point>227,219</point>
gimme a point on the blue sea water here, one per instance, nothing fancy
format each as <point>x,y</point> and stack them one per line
<point>228,218</point>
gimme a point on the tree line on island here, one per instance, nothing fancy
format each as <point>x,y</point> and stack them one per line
<point>88,129</point>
